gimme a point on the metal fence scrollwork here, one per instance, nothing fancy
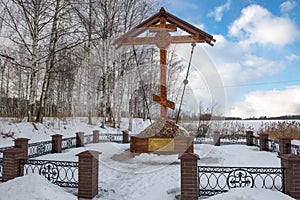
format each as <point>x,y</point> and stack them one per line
<point>68,143</point>
<point>110,137</point>
<point>215,180</point>
<point>255,141</point>
<point>240,178</point>
<point>39,148</point>
<point>273,146</point>
<point>88,139</point>
<point>295,149</point>
<point>61,173</point>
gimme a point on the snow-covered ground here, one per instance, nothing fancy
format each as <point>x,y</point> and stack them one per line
<point>146,176</point>
<point>67,127</point>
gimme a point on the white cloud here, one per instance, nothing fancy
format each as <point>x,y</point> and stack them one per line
<point>217,13</point>
<point>269,103</point>
<point>200,26</point>
<point>292,57</point>
<point>237,64</point>
<point>257,25</point>
<point>287,6</point>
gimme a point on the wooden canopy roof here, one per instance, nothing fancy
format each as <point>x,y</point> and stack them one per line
<point>168,23</point>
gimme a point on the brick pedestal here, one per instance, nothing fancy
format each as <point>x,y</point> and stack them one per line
<point>292,174</point>
<point>125,137</point>
<point>189,176</point>
<point>217,138</point>
<point>10,163</point>
<point>96,134</point>
<point>284,145</point>
<point>249,138</point>
<point>56,143</point>
<point>88,174</point>
<point>79,139</point>
<point>263,142</point>
<point>22,143</point>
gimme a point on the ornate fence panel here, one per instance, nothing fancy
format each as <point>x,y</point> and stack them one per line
<point>203,140</point>
<point>61,173</point>
<point>1,169</point>
<point>224,141</point>
<point>39,148</point>
<point>255,141</point>
<point>110,137</point>
<point>68,143</point>
<point>88,139</point>
<point>295,149</point>
<point>214,180</point>
<point>273,146</point>
<point>233,141</point>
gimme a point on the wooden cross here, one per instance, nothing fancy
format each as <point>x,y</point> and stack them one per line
<point>162,23</point>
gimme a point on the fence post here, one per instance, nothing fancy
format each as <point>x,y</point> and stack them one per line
<point>263,142</point>
<point>189,176</point>
<point>11,163</point>
<point>22,143</point>
<point>88,174</point>
<point>125,137</point>
<point>56,143</point>
<point>217,138</point>
<point>291,163</point>
<point>96,136</point>
<point>284,145</point>
<point>249,138</point>
<point>79,139</point>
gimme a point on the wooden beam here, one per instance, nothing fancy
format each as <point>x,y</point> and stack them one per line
<point>160,27</point>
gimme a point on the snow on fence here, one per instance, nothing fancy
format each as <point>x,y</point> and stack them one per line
<point>214,180</point>
<point>61,173</point>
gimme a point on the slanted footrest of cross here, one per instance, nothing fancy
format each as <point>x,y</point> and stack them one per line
<point>164,102</point>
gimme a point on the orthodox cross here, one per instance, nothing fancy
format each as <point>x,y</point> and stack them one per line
<point>162,24</point>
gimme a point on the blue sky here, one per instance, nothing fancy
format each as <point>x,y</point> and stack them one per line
<point>257,53</point>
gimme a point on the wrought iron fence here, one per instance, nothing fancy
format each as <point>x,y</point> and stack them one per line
<point>214,180</point>
<point>88,139</point>
<point>61,173</point>
<point>68,143</point>
<point>255,140</point>
<point>223,141</point>
<point>273,146</point>
<point>111,137</point>
<point>203,140</point>
<point>233,141</point>
<point>1,169</point>
<point>295,149</point>
<point>39,148</point>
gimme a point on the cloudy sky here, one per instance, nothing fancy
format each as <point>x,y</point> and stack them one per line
<point>256,56</point>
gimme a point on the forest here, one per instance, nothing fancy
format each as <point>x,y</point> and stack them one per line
<point>57,59</point>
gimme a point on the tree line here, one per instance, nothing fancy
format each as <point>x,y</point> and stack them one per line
<point>57,59</point>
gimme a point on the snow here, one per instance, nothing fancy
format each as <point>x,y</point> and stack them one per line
<point>37,132</point>
<point>251,194</point>
<point>145,176</point>
<point>33,187</point>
